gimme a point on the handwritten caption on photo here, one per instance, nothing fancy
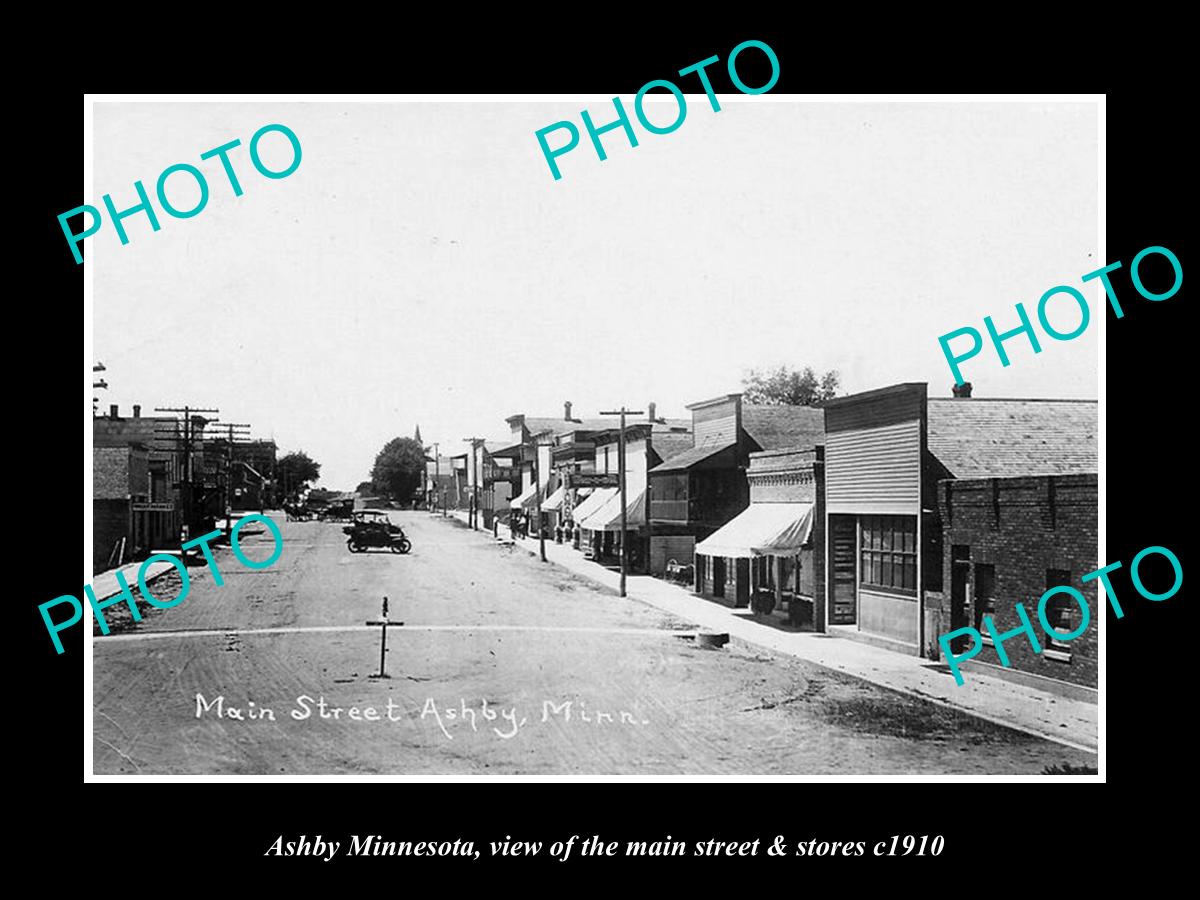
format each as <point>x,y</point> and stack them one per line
<point>1085,316</point>
<point>1026,627</point>
<point>376,845</point>
<point>180,565</point>
<point>622,120</point>
<point>221,152</point>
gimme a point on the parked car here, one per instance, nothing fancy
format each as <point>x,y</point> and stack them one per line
<point>373,528</point>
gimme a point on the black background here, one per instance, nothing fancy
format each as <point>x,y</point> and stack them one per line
<point>1019,833</point>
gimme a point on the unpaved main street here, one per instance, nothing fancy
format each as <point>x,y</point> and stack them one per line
<point>504,665</point>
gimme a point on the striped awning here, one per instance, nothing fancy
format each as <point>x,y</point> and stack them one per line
<point>608,516</point>
<point>524,499</point>
<point>597,499</point>
<point>762,529</point>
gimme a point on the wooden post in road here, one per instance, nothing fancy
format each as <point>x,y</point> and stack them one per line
<point>623,412</point>
<point>384,625</point>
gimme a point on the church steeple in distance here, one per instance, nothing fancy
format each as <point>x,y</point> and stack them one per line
<point>417,436</point>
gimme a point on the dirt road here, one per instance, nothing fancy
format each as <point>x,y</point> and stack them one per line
<point>504,665</point>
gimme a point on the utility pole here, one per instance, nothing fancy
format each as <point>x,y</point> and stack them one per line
<point>98,384</point>
<point>186,480</point>
<point>474,515</point>
<point>437,476</point>
<point>229,475</point>
<point>537,496</point>
<point>623,412</point>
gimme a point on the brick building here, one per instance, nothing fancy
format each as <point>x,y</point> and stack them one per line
<point>1009,539</point>
<point>176,478</point>
<point>120,478</point>
<point>886,453</point>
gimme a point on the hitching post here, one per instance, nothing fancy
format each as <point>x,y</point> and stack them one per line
<point>383,623</point>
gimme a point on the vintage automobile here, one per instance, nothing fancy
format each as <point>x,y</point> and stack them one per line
<point>372,528</point>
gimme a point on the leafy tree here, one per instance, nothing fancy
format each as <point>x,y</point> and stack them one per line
<point>789,387</point>
<point>365,487</point>
<point>399,468</point>
<point>294,472</point>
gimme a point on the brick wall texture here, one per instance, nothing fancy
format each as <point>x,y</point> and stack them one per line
<point>1024,527</point>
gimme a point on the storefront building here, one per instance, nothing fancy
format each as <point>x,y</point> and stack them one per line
<point>885,452</point>
<point>768,556</point>
<point>538,436</point>
<point>599,518</point>
<point>1009,540</point>
<point>699,489</point>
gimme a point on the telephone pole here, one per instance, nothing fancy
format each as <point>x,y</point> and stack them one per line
<point>437,478</point>
<point>241,435</point>
<point>537,495</point>
<point>623,412</point>
<point>186,439</point>
<point>98,384</point>
<point>473,515</point>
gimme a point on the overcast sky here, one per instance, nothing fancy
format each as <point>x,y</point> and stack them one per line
<point>423,266</point>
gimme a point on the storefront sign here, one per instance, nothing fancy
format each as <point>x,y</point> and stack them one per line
<point>500,473</point>
<point>167,506</point>
<point>591,480</point>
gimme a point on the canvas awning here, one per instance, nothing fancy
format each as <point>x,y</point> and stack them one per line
<point>525,499</point>
<point>598,498</point>
<point>608,516</point>
<point>554,502</point>
<point>762,529</point>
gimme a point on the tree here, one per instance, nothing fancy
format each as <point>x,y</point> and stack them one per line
<point>294,471</point>
<point>399,468</point>
<point>365,488</point>
<point>790,387</point>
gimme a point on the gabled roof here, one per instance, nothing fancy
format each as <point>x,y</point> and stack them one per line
<point>779,427</point>
<point>994,438</point>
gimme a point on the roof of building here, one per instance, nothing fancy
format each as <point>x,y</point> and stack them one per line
<point>155,432</point>
<point>667,441</point>
<point>987,438</point>
<point>696,455</point>
<point>777,427</point>
<point>559,425</point>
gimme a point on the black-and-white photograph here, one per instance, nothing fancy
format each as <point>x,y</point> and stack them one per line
<point>493,437</point>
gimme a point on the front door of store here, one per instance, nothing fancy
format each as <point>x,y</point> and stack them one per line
<point>842,541</point>
<point>960,580</point>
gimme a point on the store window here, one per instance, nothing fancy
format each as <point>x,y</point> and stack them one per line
<point>985,597</point>
<point>1063,615</point>
<point>889,553</point>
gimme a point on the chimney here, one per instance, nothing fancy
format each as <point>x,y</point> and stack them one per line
<point>137,411</point>
<point>962,390</point>
<point>567,410</point>
<point>651,408</point>
<point>112,411</point>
